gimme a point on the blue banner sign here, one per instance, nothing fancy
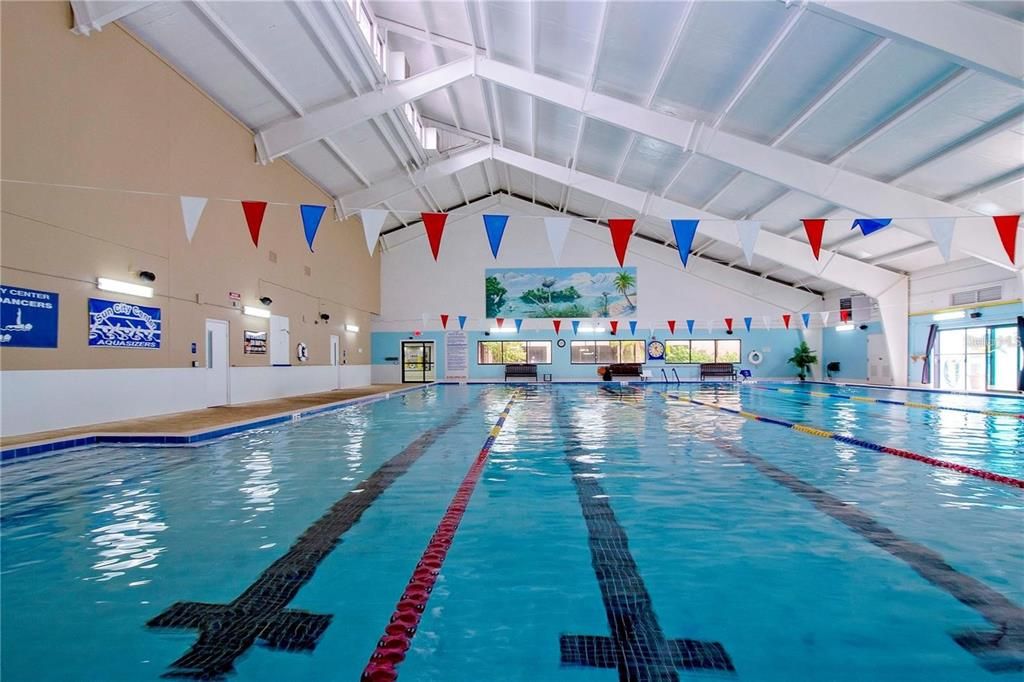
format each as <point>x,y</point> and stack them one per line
<point>123,325</point>
<point>28,318</point>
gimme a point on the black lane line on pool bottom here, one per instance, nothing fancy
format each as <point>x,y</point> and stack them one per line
<point>637,647</point>
<point>226,631</point>
<point>1001,650</point>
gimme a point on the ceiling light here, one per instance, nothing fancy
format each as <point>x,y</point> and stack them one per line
<point>351,327</point>
<point>844,327</point>
<point>503,330</point>
<point>952,315</point>
<point>255,311</point>
<point>120,287</point>
<point>592,330</point>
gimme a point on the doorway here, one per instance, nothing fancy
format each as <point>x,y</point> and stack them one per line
<point>335,351</point>
<point>217,373</point>
<point>879,371</point>
<point>418,365</point>
<point>978,359</point>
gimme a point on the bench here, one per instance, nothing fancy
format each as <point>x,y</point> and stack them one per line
<point>631,369</point>
<point>717,369</point>
<point>521,371</point>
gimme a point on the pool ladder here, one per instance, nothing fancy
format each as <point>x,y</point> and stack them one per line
<point>674,373</point>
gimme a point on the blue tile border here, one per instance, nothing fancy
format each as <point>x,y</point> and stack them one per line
<point>20,451</point>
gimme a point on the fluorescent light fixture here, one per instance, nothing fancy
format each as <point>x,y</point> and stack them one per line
<point>845,327</point>
<point>256,311</point>
<point>503,330</point>
<point>119,287</point>
<point>952,315</point>
<point>592,330</point>
<point>351,327</point>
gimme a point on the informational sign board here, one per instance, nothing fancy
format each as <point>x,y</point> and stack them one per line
<point>456,355</point>
<point>123,325</point>
<point>255,343</point>
<point>28,318</point>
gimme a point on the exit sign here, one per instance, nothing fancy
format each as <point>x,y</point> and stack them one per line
<point>234,296</point>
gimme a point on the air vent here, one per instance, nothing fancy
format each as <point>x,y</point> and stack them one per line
<point>977,296</point>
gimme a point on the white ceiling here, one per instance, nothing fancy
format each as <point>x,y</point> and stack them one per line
<point>789,78</point>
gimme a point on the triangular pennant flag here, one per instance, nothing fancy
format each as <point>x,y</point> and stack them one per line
<point>254,211</point>
<point>671,326</point>
<point>748,231</point>
<point>575,327</point>
<point>684,230</point>
<point>444,322</point>
<point>558,326</point>
<point>500,321</point>
<point>632,327</point>
<point>462,321</point>
<point>373,220</point>
<point>870,225</point>
<point>767,321</point>
<point>942,233</point>
<point>311,216</point>
<point>494,225</point>
<point>747,321</point>
<point>433,223</point>
<point>1006,226</point>
<point>191,210</point>
<point>709,323</point>
<point>689,326</point>
<point>614,324</point>
<point>785,320</point>
<point>815,229</point>
<point>824,317</point>
<point>807,319</point>
<point>622,230</point>
<point>728,323</point>
<point>558,230</point>
<point>519,324</point>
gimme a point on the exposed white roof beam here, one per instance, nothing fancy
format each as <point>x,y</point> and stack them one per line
<point>480,83</point>
<point>427,36</point>
<point>438,61</point>
<point>93,15</point>
<point>901,253</point>
<point>979,40</point>
<point>998,182</point>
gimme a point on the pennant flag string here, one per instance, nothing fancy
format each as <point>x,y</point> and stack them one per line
<point>632,327</point>
<point>462,321</point>
<point>373,220</point>
<point>942,234</point>
<point>689,326</point>
<point>786,319</point>
<point>614,324</point>
<point>728,324</point>
<point>444,322</point>
<point>519,324</point>
<point>815,229</point>
<point>671,326</point>
<point>558,231</point>
<point>870,225</point>
<point>557,324</point>
<point>684,231</point>
<point>500,321</point>
<point>433,223</point>
<point>311,216</point>
<point>575,327</point>
<point>747,321</point>
<point>191,211</point>
<point>254,212</point>
<point>494,225</point>
<point>1006,226</point>
<point>806,317</point>
<point>748,231</point>
<point>622,230</point>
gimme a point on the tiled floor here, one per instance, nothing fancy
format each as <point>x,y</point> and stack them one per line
<point>210,418</point>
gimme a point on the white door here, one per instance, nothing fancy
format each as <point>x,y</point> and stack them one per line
<point>879,371</point>
<point>336,359</point>
<point>216,363</point>
<point>280,341</point>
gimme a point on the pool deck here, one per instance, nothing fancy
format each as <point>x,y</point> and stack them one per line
<point>211,419</point>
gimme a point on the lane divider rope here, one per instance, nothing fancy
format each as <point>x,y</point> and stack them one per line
<point>886,401</point>
<point>906,454</point>
<point>401,628</point>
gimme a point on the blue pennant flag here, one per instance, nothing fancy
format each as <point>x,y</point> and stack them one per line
<point>495,226</point>
<point>311,216</point>
<point>870,225</point>
<point>684,231</point>
<point>689,326</point>
<point>807,319</point>
<point>747,321</point>
<point>462,321</point>
<point>575,327</point>
<point>632,327</point>
<point>519,324</point>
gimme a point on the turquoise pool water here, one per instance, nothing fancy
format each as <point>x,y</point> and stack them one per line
<point>610,527</point>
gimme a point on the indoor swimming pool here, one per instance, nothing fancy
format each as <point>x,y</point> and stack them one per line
<point>535,532</point>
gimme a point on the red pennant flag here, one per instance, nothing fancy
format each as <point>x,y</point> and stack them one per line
<point>254,211</point>
<point>444,321</point>
<point>622,230</point>
<point>844,315</point>
<point>1006,226</point>
<point>614,324</point>
<point>728,323</point>
<point>558,326</point>
<point>433,223</point>
<point>500,321</point>
<point>785,320</point>
<point>672,326</point>
<point>815,229</point>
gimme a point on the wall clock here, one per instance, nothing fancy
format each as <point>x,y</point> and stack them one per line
<point>655,350</point>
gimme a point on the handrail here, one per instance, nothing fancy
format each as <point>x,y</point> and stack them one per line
<point>676,374</point>
<point>664,376</point>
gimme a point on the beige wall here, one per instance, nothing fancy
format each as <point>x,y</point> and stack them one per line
<point>105,112</point>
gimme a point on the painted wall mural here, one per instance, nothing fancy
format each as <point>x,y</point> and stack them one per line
<point>560,292</point>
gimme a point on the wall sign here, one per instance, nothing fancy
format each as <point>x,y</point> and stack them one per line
<point>255,343</point>
<point>28,318</point>
<point>456,355</point>
<point>123,325</point>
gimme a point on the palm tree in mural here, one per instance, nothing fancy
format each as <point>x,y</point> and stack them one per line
<point>623,283</point>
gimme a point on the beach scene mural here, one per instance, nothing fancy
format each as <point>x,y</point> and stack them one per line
<point>560,292</point>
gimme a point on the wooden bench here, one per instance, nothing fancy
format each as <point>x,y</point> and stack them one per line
<point>717,369</point>
<point>630,369</point>
<point>521,371</point>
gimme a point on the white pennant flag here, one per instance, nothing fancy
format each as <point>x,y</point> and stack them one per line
<point>824,318</point>
<point>942,233</point>
<point>191,210</point>
<point>373,220</point>
<point>558,230</point>
<point>709,326</point>
<point>767,321</point>
<point>748,231</point>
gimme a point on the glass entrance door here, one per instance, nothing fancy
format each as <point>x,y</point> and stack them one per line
<point>979,359</point>
<point>418,362</point>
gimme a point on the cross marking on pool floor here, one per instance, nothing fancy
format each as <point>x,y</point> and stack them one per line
<point>637,647</point>
<point>226,631</point>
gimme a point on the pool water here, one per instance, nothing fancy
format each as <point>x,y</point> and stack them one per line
<point>614,533</point>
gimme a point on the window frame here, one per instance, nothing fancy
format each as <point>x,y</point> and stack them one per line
<point>526,343</point>
<point>594,343</point>
<point>691,361</point>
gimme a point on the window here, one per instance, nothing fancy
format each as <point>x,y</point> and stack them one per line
<point>702,350</point>
<point>978,358</point>
<point>513,352</point>
<point>607,352</point>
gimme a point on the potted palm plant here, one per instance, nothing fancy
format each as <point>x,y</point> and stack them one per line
<point>803,358</point>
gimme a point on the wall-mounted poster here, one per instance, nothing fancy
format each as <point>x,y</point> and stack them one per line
<point>123,325</point>
<point>560,292</point>
<point>28,318</point>
<point>255,343</point>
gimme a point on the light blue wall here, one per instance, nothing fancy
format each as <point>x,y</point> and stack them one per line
<point>919,325</point>
<point>850,350</point>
